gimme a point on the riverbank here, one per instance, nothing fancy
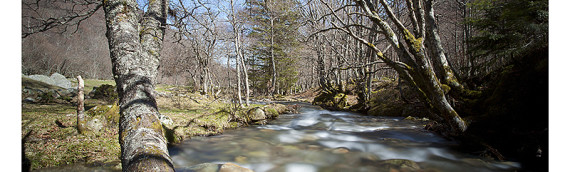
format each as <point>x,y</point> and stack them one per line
<point>50,139</point>
<point>509,121</point>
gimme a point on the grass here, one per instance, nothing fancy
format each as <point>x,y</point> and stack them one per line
<point>50,138</point>
<point>47,144</point>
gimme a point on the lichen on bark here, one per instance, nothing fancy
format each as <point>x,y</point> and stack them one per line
<point>143,145</point>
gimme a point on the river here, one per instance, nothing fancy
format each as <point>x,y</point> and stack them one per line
<point>322,140</point>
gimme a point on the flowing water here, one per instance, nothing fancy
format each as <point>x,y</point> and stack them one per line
<point>322,140</point>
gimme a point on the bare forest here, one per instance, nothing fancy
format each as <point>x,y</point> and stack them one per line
<point>476,70</point>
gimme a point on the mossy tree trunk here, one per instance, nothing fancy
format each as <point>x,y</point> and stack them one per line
<point>134,50</point>
<point>414,66</point>
<point>442,68</point>
<point>80,105</point>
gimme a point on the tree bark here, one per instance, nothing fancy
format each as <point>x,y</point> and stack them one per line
<point>415,67</point>
<point>441,66</point>
<point>238,53</point>
<point>273,69</point>
<point>134,51</point>
<point>80,106</point>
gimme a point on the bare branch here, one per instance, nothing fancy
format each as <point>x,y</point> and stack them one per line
<point>42,19</point>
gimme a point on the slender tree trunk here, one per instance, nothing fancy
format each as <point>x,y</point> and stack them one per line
<point>135,57</point>
<point>241,57</point>
<point>80,107</point>
<point>273,69</point>
<point>238,74</point>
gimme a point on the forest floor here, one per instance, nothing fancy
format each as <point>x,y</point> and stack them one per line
<point>50,138</point>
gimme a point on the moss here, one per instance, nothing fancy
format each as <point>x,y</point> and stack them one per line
<point>156,126</point>
<point>106,92</point>
<point>445,88</point>
<point>271,112</point>
<point>152,52</point>
<point>331,100</point>
<point>47,97</point>
<point>172,137</point>
<point>416,43</point>
<point>50,145</point>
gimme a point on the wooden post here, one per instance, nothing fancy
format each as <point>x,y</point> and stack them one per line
<point>80,107</point>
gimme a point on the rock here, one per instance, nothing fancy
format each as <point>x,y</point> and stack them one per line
<point>231,167</point>
<point>105,92</point>
<point>204,167</point>
<point>30,100</point>
<point>42,78</point>
<point>102,116</point>
<point>60,80</point>
<point>258,154</point>
<point>411,118</point>
<point>69,92</point>
<point>292,109</point>
<point>211,167</point>
<point>270,112</point>
<point>340,150</point>
<point>256,114</point>
<point>95,124</point>
<point>331,100</point>
<point>240,159</point>
<point>402,164</point>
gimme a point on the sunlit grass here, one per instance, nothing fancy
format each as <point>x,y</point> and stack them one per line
<point>48,143</point>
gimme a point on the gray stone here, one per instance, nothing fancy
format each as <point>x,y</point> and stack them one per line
<point>231,167</point>
<point>30,100</point>
<point>340,150</point>
<point>256,114</point>
<point>205,167</point>
<point>42,78</point>
<point>60,80</point>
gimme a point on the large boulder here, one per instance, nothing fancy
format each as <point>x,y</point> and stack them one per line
<point>39,90</point>
<point>256,114</point>
<point>60,80</point>
<point>42,78</point>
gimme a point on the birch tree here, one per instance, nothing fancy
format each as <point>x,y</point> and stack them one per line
<point>237,28</point>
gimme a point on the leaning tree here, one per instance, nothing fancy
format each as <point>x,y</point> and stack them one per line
<point>422,60</point>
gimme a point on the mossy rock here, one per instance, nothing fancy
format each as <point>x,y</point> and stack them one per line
<point>256,114</point>
<point>106,116</point>
<point>105,92</point>
<point>270,112</point>
<point>331,100</point>
<point>386,102</point>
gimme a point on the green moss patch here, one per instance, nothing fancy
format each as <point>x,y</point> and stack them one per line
<point>50,139</point>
